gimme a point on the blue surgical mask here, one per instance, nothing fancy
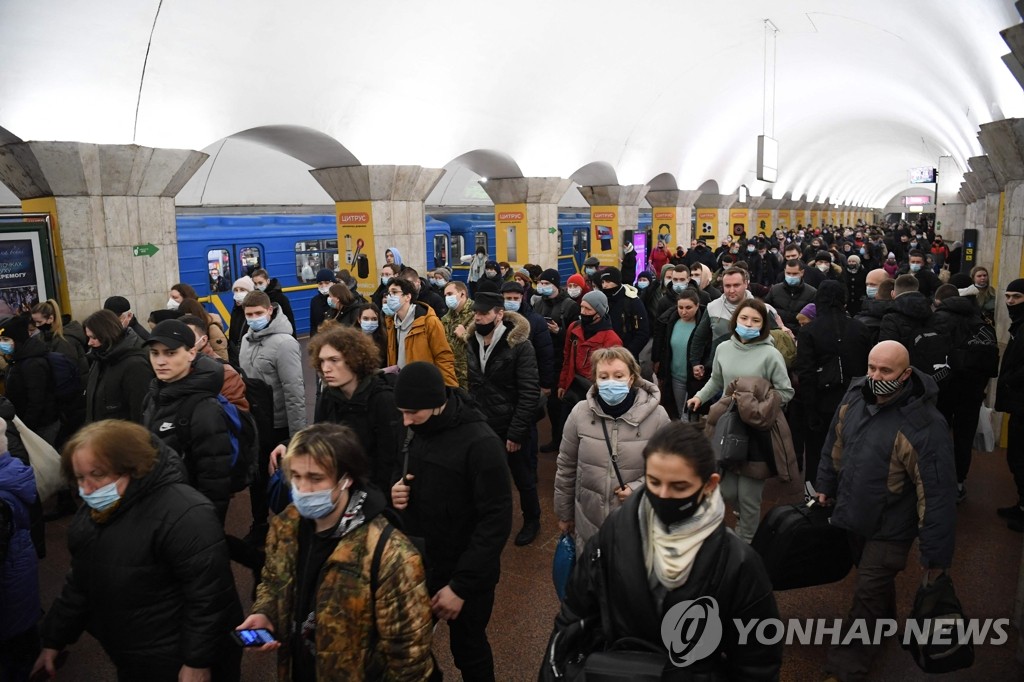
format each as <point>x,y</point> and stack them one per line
<point>316,504</point>
<point>386,309</point>
<point>258,323</point>
<point>546,290</point>
<point>384,280</point>
<point>451,302</point>
<point>369,326</point>
<point>439,283</point>
<point>330,303</point>
<point>590,271</point>
<point>6,347</point>
<point>793,280</point>
<point>915,267</point>
<point>613,391</point>
<point>751,249</point>
<point>747,333</point>
<point>871,291</point>
<point>512,306</point>
<point>679,287</point>
<point>642,284</point>
<point>101,498</point>
<point>394,302</point>
<point>261,287</point>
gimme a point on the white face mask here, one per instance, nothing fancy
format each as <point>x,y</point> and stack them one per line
<point>172,304</point>
<point>239,296</point>
<point>324,290</point>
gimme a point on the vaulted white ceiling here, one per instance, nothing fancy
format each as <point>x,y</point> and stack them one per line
<point>863,90</point>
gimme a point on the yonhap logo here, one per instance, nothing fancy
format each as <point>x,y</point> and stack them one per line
<point>691,630</point>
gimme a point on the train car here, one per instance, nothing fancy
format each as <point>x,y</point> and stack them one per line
<point>468,232</point>
<point>292,248</point>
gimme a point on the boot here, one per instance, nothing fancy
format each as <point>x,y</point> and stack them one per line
<point>528,533</point>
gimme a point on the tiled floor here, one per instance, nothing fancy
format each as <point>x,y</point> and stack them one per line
<point>988,559</point>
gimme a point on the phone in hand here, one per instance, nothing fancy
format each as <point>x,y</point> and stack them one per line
<point>257,637</point>
<point>58,663</point>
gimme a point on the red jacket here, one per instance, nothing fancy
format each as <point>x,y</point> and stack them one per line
<point>578,350</point>
<point>659,258</point>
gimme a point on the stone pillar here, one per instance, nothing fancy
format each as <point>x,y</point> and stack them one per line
<point>102,201</point>
<point>713,217</point>
<point>986,219</point>
<point>1003,142</point>
<point>383,207</point>
<point>768,212</point>
<point>673,207</point>
<point>541,197</point>
<point>626,200</point>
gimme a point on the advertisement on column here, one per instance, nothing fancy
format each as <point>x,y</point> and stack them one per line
<point>738,221</point>
<point>604,234</point>
<point>666,224</point>
<point>707,226</point>
<point>355,241</point>
<point>22,284</point>
<point>815,218</point>
<point>511,233</point>
<point>764,223</point>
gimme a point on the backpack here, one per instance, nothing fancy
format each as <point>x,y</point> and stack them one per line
<point>261,406</point>
<point>979,354</point>
<point>67,384</point>
<point>242,432</point>
<point>929,352</point>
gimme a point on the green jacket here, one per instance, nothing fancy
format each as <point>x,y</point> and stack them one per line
<point>451,320</point>
<point>734,359</point>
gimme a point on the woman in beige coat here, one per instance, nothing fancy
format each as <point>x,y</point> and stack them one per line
<point>621,412</point>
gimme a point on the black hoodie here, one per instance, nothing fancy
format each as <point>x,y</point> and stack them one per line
<point>279,297</point>
<point>910,314</point>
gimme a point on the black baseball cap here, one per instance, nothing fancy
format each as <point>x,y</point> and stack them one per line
<point>172,333</point>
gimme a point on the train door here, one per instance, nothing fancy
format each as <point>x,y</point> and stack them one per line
<point>480,239</point>
<point>580,246</point>
<point>225,264</point>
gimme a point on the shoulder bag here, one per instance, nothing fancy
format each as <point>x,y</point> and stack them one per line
<point>731,440</point>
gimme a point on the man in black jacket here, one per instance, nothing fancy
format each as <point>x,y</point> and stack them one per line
<point>318,305</point>
<point>625,310</point>
<point>1010,399</point>
<point>910,323</point>
<point>926,279</point>
<point>503,379</point>
<point>120,306</point>
<point>455,494</point>
<point>425,294</point>
<point>558,311</point>
<point>791,295</point>
<point>877,301</point>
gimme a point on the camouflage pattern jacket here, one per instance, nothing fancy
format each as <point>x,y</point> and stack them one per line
<point>451,320</point>
<point>345,627</point>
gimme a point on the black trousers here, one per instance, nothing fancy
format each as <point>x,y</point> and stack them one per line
<point>468,633</point>
<point>814,441</point>
<point>258,490</point>
<point>556,415</point>
<point>1015,452</point>
<point>523,465</point>
<point>960,403</point>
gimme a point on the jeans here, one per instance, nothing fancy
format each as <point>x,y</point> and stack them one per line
<point>744,494</point>
<point>679,393</point>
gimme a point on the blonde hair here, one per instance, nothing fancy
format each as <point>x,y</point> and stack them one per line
<point>611,355</point>
<point>50,308</point>
<point>335,449</point>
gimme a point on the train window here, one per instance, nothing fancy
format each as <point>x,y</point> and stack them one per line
<point>309,258</point>
<point>510,244</point>
<point>458,247</point>
<point>481,241</point>
<point>219,266</point>
<point>250,259</point>
<point>440,251</point>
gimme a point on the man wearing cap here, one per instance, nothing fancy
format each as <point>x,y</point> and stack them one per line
<point>559,311</point>
<point>516,301</point>
<point>181,374</point>
<point>318,305</point>
<point>1010,399</point>
<point>590,266</point>
<point>120,306</point>
<point>626,311</point>
<point>415,331</point>
<point>454,493</point>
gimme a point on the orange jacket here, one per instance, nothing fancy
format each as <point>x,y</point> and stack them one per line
<point>425,341</point>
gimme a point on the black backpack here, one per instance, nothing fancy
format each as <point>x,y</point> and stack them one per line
<point>929,352</point>
<point>67,383</point>
<point>242,431</point>
<point>979,354</point>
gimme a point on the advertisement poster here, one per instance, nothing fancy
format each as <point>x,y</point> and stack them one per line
<point>21,267</point>
<point>666,221</point>
<point>511,233</point>
<point>707,226</point>
<point>786,220</point>
<point>815,218</point>
<point>738,221</point>
<point>764,223</point>
<point>355,241</point>
<point>604,233</point>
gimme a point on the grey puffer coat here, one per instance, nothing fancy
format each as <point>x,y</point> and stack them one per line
<point>272,355</point>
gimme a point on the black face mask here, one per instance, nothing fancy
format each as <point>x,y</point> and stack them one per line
<point>483,329</point>
<point>587,320</point>
<point>1016,312</point>
<point>672,510</point>
<point>44,327</point>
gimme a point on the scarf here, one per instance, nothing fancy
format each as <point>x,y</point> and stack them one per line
<point>669,554</point>
<point>353,516</point>
<point>485,351</point>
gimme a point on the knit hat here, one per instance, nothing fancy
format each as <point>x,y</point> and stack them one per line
<point>610,274</point>
<point>445,273</point>
<point>523,272</point>
<point>810,311</point>
<point>244,283</point>
<point>118,305</point>
<point>1015,287</point>
<point>420,386</point>
<point>667,268</point>
<point>598,301</point>
<point>15,328</point>
<point>513,287</point>
<point>551,275</point>
<point>487,285</point>
<point>325,275</point>
<point>823,255</point>
<point>646,274</point>
<point>891,255</point>
<point>960,280</point>
<point>578,280</point>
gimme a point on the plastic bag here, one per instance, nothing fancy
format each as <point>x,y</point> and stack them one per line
<point>44,460</point>
<point>985,437</point>
<point>564,561</point>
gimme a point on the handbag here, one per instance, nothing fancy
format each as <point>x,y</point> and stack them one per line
<point>44,460</point>
<point>563,563</point>
<point>731,440</point>
<point>936,606</point>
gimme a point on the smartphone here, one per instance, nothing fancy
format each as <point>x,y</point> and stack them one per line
<point>548,319</point>
<point>58,663</point>
<point>257,637</point>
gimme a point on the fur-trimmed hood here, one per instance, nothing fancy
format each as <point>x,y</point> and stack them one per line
<point>517,328</point>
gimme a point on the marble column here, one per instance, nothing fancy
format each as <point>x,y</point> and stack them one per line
<point>713,217</point>
<point>986,219</point>
<point>102,201</point>
<point>626,199</point>
<point>541,196</point>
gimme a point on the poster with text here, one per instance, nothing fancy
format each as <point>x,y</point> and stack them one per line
<point>739,219</point>
<point>21,266</point>
<point>355,241</point>
<point>604,234</point>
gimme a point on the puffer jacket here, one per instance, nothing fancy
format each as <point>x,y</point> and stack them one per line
<point>611,574</point>
<point>70,347</point>
<point>760,407</point>
<point>28,385</point>
<point>272,355</point>
<point>579,347</point>
<point>585,479</point>
<point>540,339</point>
<point>153,582</point>
<point>788,301</point>
<point>629,318</point>
<point>892,473</point>
<point>425,341</point>
<point>1010,385</point>
<point>451,320</point>
<point>19,573</point>
<point>207,457</point>
<point>911,313</point>
<point>396,619</point>
<point>119,380</point>
<point>563,311</point>
<point>871,315</point>
<point>507,390</point>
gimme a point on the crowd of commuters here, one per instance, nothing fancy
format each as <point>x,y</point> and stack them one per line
<point>859,349</point>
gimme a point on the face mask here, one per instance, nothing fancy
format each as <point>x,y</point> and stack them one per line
<point>679,287</point>
<point>384,280</point>
<point>863,251</point>
<point>369,326</point>
<point>451,302</point>
<point>1016,312</point>
<point>642,284</point>
<point>490,273</point>
<point>512,306</point>
<point>751,249</point>
<point>747,333</point>
<point>394,302</point>
<point>574,292</point>
<point>316,504</point>
<point>239,296</point>
<point>853,268</point>
<point>672,510</point>
<point>386,309</point>
<point>6,347</point>
<point>613,391</point>
<point>324,290</point>
<point>484,329</point>
<point>101,498</point>
<point>261,287</point>
<point>172,304</point>
<point>824,267</point>
<point>793,280</point>
<point>915,267</point>
<point>258,323</point>
<point>879,387</point>
<point>589,271</point>
<point>331,303</point>
<point>546,290</point>
<point>871,291</point>
<point>587,319</point>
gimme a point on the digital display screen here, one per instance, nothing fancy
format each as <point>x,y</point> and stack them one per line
<point>924,174</point>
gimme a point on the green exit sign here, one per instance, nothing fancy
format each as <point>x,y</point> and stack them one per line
<point>144,250</point>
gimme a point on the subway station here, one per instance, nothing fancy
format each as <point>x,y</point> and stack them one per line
<point>262,153</point>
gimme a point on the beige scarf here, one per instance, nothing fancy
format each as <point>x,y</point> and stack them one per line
<point>670,555</point>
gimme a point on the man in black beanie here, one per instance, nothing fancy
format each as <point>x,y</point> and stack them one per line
<point>454,492</point>
<point>1010,399</point>
<point>626,311</point>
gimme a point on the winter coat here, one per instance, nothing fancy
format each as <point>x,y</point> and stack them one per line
<point>425,341</point>
<point>460,498</point>
<point>817,344</point>
<point>892,473</point>
<point>372,414</point>
<point>207,457</point>
<point>71,348</point>
<point>663,352</point>
<point>543,348</point>
<point>927,280</point>
<point>579,347</point>
<point>760,408</point>
<point>476,267</point>
<point>451,320</point>
<point>507,389</point>
<point>216,341</point>
<point>563,311</point>
<point>273,355</point>
<point>19,573</point>
<point>910,314</point>
<point>233,388</point>
<point>871,314</point>
<point>29,384</point>
<point>236,330</point>
<point>396,619</point>
<point>318,310</point>
<point>659,259</point>
<point>1010,385</point>
<point>118,382</point>
<point>629,318</point>
<point>629,266</point>
<point>278,296</point>
<point>735,359</point>
<point>788,301</point>
<point>585,479</point>
<point>856,288</point>
<point>153,582</point>
<point>429,296</point>
<point>725,568</point>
